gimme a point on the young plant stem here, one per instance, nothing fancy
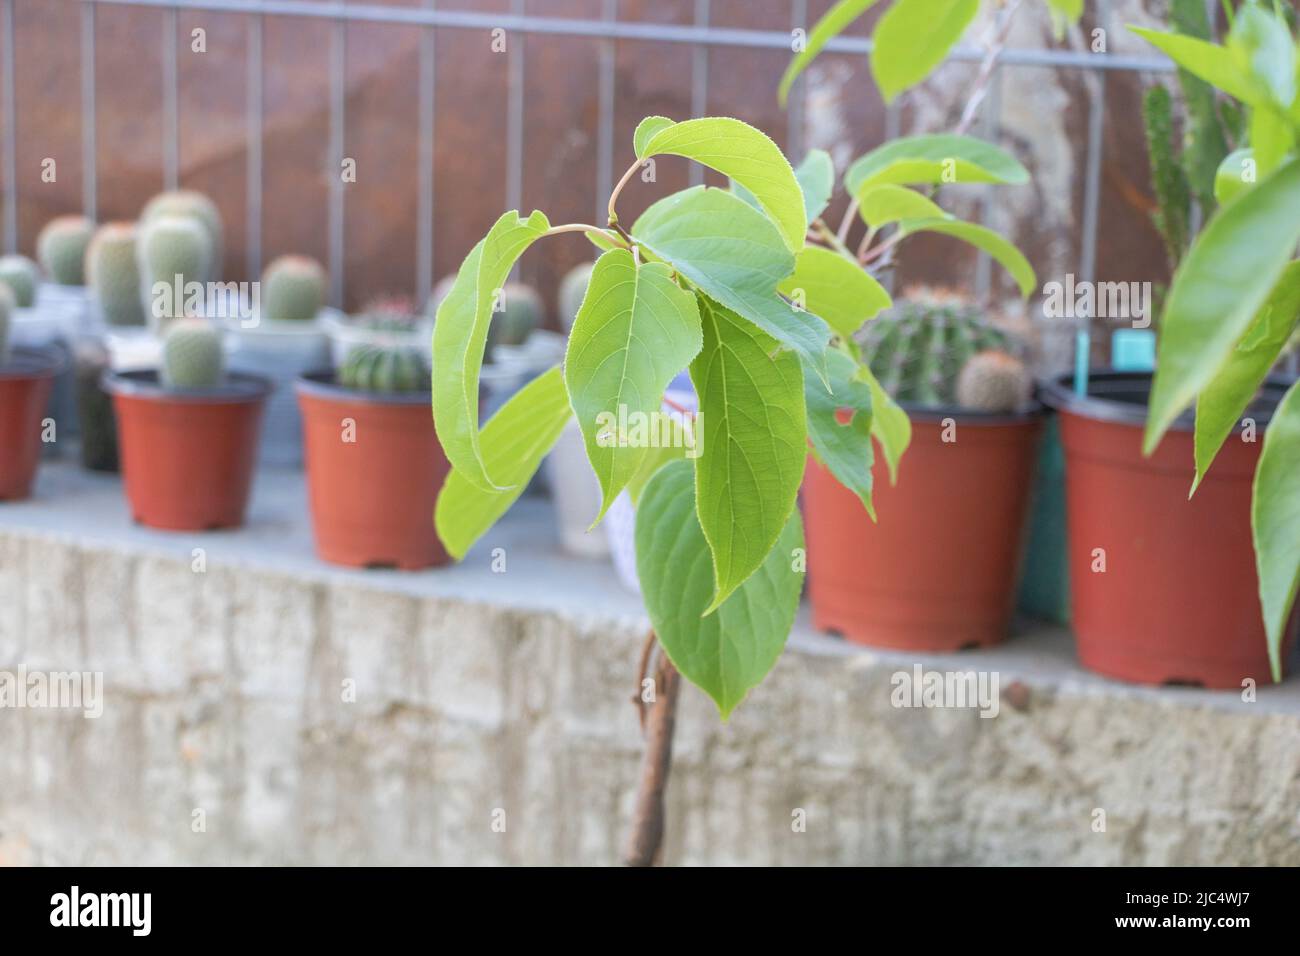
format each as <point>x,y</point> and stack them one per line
<point>583,228</point>
<point>645,839</point>
<point>987,65</point>
<point>613,196</point>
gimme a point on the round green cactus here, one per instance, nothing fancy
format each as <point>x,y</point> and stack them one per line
<point>190,204</point>
<point>22,277</point>
<point>573,288</point>
<point>61,248</point>
<point>192,355</point>
<point>171,246</point>
<point>6,310</point>
<point>993,381</point>
<point>293,289</point>
<point>918,348</point>
<point>111,270</point>
<point>384,369</point>
<point>515,313</point>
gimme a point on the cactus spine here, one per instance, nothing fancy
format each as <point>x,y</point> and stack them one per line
<point>111,270</point>
<point>61,248</point>
<point>189,204</point>
<point>573,287</point>
<point>372,368</point>
<point>22,277</point>
<point>6,311</point>
<point>192,355</point>
<point>171,247</point>
<point>293,289</point>
<point>993,381</point>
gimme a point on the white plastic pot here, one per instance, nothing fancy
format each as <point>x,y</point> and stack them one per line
<point>132,348</point>
<point>346,334</point>
<point>576,494</point>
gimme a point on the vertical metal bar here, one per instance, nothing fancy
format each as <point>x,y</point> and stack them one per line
<point>253,174</point>
<point>515,115</point>
<point>1096,83</point>
<point>989,124</point>
<point>605,116</point>
<point>797,99</point>
<point>171,132</point>
<point>699,79</point>
<point>424,200</point>
<point>338,102</point>
<point>89,169</point>
<point>10,128</point>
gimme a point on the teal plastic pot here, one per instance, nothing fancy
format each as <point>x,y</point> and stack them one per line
<point>1045,586</point>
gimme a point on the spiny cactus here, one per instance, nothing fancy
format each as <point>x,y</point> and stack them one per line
<point>373,368</point>
<point>1168,178</point>
<point>61,248</point>
<point>171,246</point>
<point>192,355</point>
<point>111,270</point>
<point>388,313</point>
<point>293,289</point>
<point>1206,139</point>
<point>6,310</point>
<point>191,204</point>
<point>22,277</point>
<point>993,381</point>
<point>917,349</point>
<point>516,312</point>
<point>572,289</point>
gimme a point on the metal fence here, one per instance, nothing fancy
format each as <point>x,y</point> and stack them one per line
<point>700,36</point>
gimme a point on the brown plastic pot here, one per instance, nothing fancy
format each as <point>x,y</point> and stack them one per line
<point>1177,599</point>
<point>26,381</point>
<point>374,470</point>
<point>937,571</point>
<point>187,455</point>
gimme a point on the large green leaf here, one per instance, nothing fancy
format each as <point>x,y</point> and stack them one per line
<point>460,336</point>
<point>1275,521</point>
<point>1262,49</point>
<point>1220,406</point>
<point>843,447</point>
<point>729,652</point>
<point>739,151</point>
<point>883,203</point>
<point>635,330</point>
<point>754,443</point>
<point>914,37</point>
<point>889,423</point>
<point>1230,179</point>
<point>816,175</point>
<point>835,21</point>
<point>839,291</point>
<point>933,159</point>
<point>1011,258</point>
<point>734,254</point>
<point>1272,137</point>
<point>514,441</point>
<point>1210,62</point>
<point>1222,283</point>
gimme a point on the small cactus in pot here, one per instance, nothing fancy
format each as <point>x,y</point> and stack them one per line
<point>22,277</point>
<point>293,289</point>
<point>994,381</point>
<point>374,368</point>
<point>114,275</point>
<point>192,355</point>
<point>61,248</point>
<point>173,251</point>
<point>516,312</point>
<point>191,204</point>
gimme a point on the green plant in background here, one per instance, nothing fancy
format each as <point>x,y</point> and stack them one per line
<point>518,310</point>
<point>192,356</point>
<point>293,289</point>
<point>572,289</point>
<point>22,277</point>
<point>371,368</point>
<point>191,204</point>
<point>1235,299</point>
<point>171,247</point>
<point>388,313</point>
<point>61,248</point>
<point>6,317</point>
<point>994,381</point>
<point>112,271</point>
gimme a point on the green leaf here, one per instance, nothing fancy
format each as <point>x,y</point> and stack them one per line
<point>515,440</point>
<point>983,238</point>
<point>739,151</point>
<point>1208,61</point>
<point>655,459</point>
<point>839,291</point>
<point>635,330</point>
<point>1223,282</point>
<point>1236,174</point>
<point>934,159</point>
<point>1275,522</point>
<point>734,254</point>
<point>1271,138</point>
<point>460,336</point>
<point>1070,9</point>
<point>835,21</point>
<point>601,240</point>
<point>1262,50</point>
<point>889,423</point>
<point>1220,406</point>
<point>913,37</point>
<point>844,448</point>
<point>881,204</point>
<point>816,176</point>
<point>729,652</point>
<point>754,435</point>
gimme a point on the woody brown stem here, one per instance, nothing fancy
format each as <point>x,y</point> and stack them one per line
<point>645,839</point>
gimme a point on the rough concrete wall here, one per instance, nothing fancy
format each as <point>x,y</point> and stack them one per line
<point>224,693</point>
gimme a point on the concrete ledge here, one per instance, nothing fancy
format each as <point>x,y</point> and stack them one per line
<point>477,692</point>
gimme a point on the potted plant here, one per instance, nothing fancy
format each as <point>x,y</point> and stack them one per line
<point>193,205</point>
<point>174,256</point>
<point>61,251</point>
<point>1163,587</point>
<point>188,432</point>
<point>934,569</point>
<point>282,340</point>
<point>374,465</point>
<point>26,381</point>
<point>384,321</point>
